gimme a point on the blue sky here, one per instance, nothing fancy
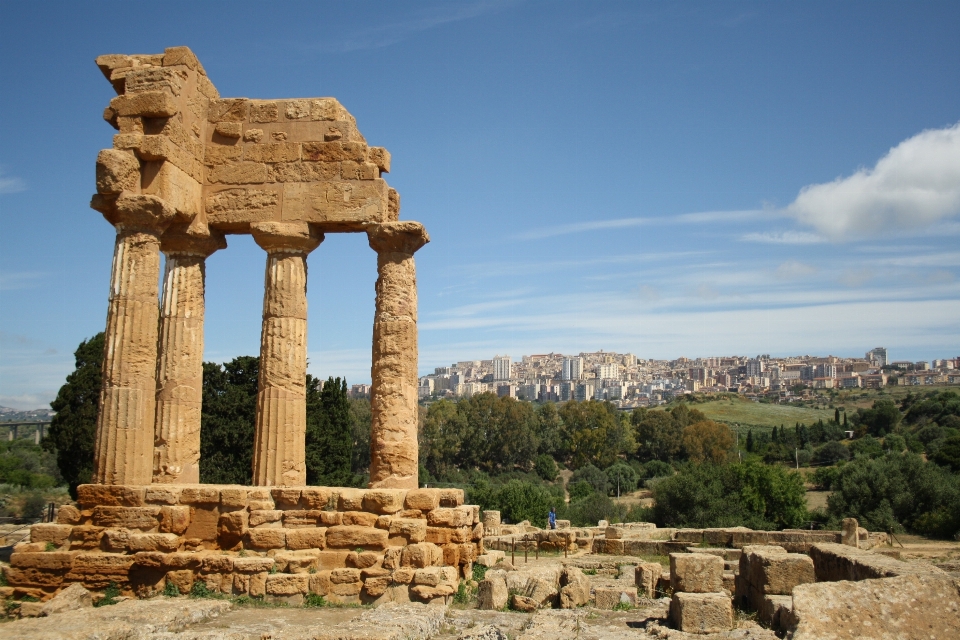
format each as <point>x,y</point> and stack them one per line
<point>660,178</point>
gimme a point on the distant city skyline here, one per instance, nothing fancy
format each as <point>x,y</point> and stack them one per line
<point>666,179</point>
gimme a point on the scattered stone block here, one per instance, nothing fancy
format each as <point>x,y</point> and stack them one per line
<point>607,598</point>
<point>574,588</point>
<point>701,613</point>
<point>492,592</point>
<point>696,573</point>
<point>646,576</point>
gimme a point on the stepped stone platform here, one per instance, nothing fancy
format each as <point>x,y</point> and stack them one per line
<point>349,545</point>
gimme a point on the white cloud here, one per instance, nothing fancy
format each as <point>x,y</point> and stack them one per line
<point>787,237</point>
<point>11,184</point>
<point>793,269</point>
<point>914,186</point>
<point>700,217</point>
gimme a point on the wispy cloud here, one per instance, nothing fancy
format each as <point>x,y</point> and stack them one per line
<point>15,280</point>
<point>384,35</point>
<point>11,184</point>
<point>916,184</point>
<point>785,237</point>
<point>701,217</point>
<point>794,269</point>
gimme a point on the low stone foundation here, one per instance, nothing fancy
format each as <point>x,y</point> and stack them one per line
<point>350,545</point>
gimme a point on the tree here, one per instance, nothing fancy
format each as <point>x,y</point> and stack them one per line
<point>360,421</point>
<point>592,475</point>
<point>755,495</point>
<point>750,442</point>
<point>707,441</point>
<point>594,432</point>
<point>73,428</point>
<point>546,468</point>
<point>621,478</point>
<point>882,419</point>
<point>948,455</point>
<point>831,453</point>
<point>659,436</point>
<point>836,415</point>
<point>580,489</point>
<point>228,421</point>
<point>329,439</point>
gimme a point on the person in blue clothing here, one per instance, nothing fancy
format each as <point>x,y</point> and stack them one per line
<point>552,518</point>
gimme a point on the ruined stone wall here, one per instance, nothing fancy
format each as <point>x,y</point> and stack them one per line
<point>346,544</point>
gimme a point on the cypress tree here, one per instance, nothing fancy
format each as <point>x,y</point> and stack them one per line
<point>836,415</point>
<point>228,421</point>
<point>750,442</point>
<point>73,428</point>
<point>329,446</point>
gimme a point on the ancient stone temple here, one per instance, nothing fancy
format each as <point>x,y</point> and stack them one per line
<point>189,167</point>
<point>186,169</point>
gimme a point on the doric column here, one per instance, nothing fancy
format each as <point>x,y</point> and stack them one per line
<point>393,394</point>
<point>176,452</point>
<point>279,448</point>
<point>124,436</point>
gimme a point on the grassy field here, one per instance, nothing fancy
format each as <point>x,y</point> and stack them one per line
<point>749,414</point>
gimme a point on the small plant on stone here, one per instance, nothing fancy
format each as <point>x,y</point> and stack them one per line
<point>273,569</point>
<point>312,570</point>
<point>589,572</point>
<point>3,579</point>
<point>461,596</point>
<point>170,590</point>
<point>479,572</point>
<point>110,595</point>
<point>314,601</point>
<point>359,549</point>
<point>243,553</point>
<point>200,590</point>
<point>50,547</point>
<point>623,606</point>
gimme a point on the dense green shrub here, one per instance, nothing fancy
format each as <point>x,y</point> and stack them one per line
<point>621,477</point>
<point>518,500</point>
<point>545,467</point>
<point>592,475</point>
<point>588,511</point>
<point>752,494</point>
<point>579,490</point>
<point>898,491</point>
<point>831,453</point>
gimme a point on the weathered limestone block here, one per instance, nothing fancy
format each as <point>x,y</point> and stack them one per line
<point>424,554</point>
<point>262,517</point>
<point>646,576</point>
<point>834,562</point>
<point>360,518</point>
<point>775,610</point>
<point>492,592</point>
<point>702,612</point>
<point>574,589</point>
<point>779,574</point>
<point>149,104</point>
<point>166,495</point>
<point>166,542</point>
<point>174,519</point>
<point>301,518</point>
<point>117,171</point>
<point>354,536</point>
<point>85,537</point>
<point>68,514</point>
<point>267,538</point>
<point>456,517</point>
<point>70,599</point>
<point>200,495</point>
<point>281,584</point>
<point>451,498</point>
<point>393,438</point>
<point>306,538</point>
<point>613,533</point>
<point>849,532</point>
<point>253,564</point>
<point>58,534</point>
<point>491,519</point>
<point>912,607</point>
<point>315,497</point>
<point>696,572</point>
<point>232,526</point>
<point>363,560</point>
<point>413,530</point>
<point>143,518</point>
<point>384,501</point>
<point>607,598</point>
<point>281,401</point>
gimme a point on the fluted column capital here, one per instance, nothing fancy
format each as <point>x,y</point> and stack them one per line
<point>397,237</point>
<point>180,240</point>
<point>286,237</point>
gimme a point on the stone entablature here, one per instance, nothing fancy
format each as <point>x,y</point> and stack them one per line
<point>346,544</point>
<point>188,167</point>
